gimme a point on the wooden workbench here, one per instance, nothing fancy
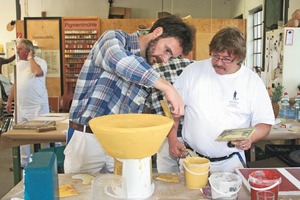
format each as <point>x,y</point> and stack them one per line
<point>14,138</point>
<point>163,190</point>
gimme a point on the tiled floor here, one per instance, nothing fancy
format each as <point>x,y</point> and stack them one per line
<point>6,176</point>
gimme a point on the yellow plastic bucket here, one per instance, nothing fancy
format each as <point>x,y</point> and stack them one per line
<point>196,171</point>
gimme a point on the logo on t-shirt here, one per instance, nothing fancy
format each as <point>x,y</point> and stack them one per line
<point>234,102</point>
<point>234,95</point>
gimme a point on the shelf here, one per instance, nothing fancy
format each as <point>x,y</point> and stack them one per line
<point>87,52</point>
<point>81,32</point>
<point>78,35</point>
<point>75,63</point>
<point>81,37</point>
<point>79,41</point>
<point>79,46</point>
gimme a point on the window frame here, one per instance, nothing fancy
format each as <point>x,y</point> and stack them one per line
<point>258,34</point>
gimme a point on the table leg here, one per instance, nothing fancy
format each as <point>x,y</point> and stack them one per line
<point>16,165</point>
<point>36,147</point>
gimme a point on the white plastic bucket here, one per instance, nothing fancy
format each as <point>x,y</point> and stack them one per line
<point>224,185</point>
<point>138,176</point>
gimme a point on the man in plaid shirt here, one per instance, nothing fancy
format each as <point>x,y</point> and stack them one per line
<point>114,79</point>
<point>170,71</point>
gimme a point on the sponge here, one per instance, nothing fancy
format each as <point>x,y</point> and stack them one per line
<point>40,177</point>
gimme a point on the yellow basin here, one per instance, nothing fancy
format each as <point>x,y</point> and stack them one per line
<point>131,136</point>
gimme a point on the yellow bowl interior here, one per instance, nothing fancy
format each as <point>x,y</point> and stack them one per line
<point>131,136</point>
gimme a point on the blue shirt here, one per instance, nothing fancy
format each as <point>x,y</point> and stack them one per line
<point>113,79</point>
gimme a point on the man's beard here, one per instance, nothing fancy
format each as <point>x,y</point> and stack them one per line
<point>152,59</point>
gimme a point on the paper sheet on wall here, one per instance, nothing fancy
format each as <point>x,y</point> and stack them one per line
<point>289,37</point>
<point>53,61</point>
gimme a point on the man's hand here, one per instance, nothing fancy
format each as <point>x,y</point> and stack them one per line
<point>30,55</point>
<point>176,102</point>
<point>172,96</point>
<point>177,149</point>
<point>8,107</point>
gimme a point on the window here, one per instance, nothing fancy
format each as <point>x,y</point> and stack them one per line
<point>257,40</point>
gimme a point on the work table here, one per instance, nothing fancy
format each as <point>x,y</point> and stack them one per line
<point>163,190</point>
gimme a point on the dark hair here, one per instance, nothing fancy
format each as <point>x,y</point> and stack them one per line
<point>229,39</point>
<point>173,26</point>
<point>27,44</point>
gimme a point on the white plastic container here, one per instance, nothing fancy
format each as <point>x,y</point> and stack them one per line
<point>138,176</point>
<point>225,185</point>
<point>109,187</point>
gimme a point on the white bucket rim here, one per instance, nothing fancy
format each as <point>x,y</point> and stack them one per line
<point>144,196</point>
<point>265,188</point>
<point>194,173</point>
<point>229,193</point>
<point>113,195</point>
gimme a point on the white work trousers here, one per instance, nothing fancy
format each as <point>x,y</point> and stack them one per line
<point>165,163</point>
<point>25,114</point>
<point>85,154</point>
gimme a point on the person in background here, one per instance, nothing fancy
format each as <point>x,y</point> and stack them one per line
<point>5,82</point>
<point>221,93</point>
<point>32,95</point>
<point>114,79</point>
<point>6,61</point>
<point>166,163</point>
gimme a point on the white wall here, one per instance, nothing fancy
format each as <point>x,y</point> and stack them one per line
<point>294,5</point>
<point>140,9</point>
<point>238,8</point>
<point>59,8</point>
<point>250,6</point>
<point>196,8</point>
<point>7,14</point>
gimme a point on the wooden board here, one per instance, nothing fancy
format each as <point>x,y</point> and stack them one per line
<point>46,34</point>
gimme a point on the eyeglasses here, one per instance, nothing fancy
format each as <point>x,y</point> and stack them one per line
<point>226,60</point>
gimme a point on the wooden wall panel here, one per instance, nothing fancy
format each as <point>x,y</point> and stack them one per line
<point>201,47</point>
<point>54,104</point>
<point>20,29</point>
<point>205,30</point>
<point>46,33</point>
<point>127,25</point>
<point>53,86</point>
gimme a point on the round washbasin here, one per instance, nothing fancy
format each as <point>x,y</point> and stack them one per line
<point>131,136</point>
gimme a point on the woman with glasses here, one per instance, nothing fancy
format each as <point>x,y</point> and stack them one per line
<point>221,93</point>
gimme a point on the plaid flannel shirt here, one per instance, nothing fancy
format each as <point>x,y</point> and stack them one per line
<point>170,71</point>
<point>114,78</point>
